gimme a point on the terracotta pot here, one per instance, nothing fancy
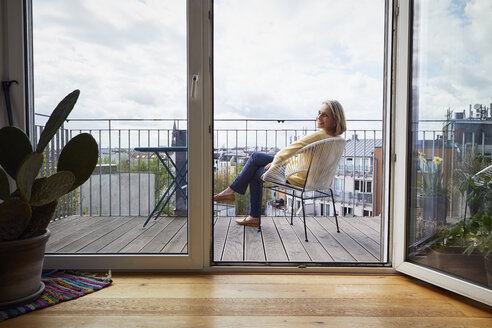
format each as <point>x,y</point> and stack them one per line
<point>20,270</point>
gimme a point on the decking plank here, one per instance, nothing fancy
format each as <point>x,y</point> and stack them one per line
<point>178,242</point>
<point>71,228</point>
<point>163,237</point>
<point>337,252</point>
<point>111,234</point>
<point>61,225</point>
<point>253,246</point>
<point>354,248</point>
<point>151,230</point>
<point>313,247</point>
<point>233,248</point>
<point>221,228</point>
<point>276,241</point>
<point>293,246</point>
<point>78,233</point>
<point>358,223</point>
<point>374,222</point>
<point>82,242</point>
<point>125,239</point>
<point>370,245</point>
<point>274,249</point>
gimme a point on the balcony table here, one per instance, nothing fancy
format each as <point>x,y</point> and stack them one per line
<point>178,181</point>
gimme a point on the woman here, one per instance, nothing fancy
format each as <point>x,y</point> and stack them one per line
<point>331,122</point>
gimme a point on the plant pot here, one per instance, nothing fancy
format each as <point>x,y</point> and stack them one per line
<point>488,268</point>
<point>452,260</point>
<point>435,208</point>
<point>20,270</point>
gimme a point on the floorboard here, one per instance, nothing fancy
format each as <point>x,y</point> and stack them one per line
<point>261,300</point>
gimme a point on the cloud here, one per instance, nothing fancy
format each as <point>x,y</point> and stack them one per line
<point>273,59</point>
<point>455,56</point>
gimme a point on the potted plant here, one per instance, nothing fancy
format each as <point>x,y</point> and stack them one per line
<point>468,243</point>
<point>434,194</point>
<point>26,212</point>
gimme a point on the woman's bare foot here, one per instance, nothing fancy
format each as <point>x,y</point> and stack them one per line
<point>249,221</point>
<point>227,195</point>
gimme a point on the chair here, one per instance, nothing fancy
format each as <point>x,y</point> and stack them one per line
<point>318,162</point>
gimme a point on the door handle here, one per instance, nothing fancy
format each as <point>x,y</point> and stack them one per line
<point>194,84</point>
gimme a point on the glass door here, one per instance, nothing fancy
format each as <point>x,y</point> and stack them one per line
<point>141,71</point>
<point>275,62</point>
<point>447,231</point>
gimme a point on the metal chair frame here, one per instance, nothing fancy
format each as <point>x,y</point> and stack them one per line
<point>321,193</point>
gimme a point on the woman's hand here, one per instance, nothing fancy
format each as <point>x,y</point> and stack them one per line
<point>266,168</point>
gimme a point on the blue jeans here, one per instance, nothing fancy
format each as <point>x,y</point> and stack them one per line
<point>251,175</point>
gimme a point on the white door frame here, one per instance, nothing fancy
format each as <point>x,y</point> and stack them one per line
<point>401,110</point>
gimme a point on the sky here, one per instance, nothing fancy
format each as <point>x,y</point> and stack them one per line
<point>454,56</point>
<point>275,59</point>
<point>272,59</point>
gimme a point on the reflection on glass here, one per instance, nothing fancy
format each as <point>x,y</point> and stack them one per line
<point>450,214</point>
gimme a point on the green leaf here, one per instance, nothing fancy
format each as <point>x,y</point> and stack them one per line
<point>14,147</point>
<point>56,119</point>
<point>79,156</point>
<point>52,188</point>
<point>4,185</point>
<point>14,218</point>
<point>27,173</point>
<point>40,218</point>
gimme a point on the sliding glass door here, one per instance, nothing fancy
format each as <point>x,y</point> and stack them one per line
<point>141,71</point>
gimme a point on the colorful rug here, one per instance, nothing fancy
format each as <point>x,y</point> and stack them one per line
<point>61,286</point>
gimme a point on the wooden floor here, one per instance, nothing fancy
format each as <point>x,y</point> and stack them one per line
<point>260,300</point>
<point>278,241</point>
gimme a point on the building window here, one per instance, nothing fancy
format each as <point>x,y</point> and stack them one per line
<point>363,186</point>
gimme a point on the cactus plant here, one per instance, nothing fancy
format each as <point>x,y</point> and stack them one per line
<point>27,211</point>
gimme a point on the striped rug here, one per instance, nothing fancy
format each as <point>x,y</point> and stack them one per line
<point>61,286</point>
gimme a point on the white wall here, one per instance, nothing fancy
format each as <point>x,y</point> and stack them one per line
<point>137,194</point>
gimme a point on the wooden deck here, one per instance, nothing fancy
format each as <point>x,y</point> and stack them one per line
<point>278,241</point>
<point>109,235</point>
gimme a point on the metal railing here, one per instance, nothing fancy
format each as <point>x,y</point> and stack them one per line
<point>126,182</point>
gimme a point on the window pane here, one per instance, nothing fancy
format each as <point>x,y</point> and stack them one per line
<point>451,128</point>
<point>128,58</point>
